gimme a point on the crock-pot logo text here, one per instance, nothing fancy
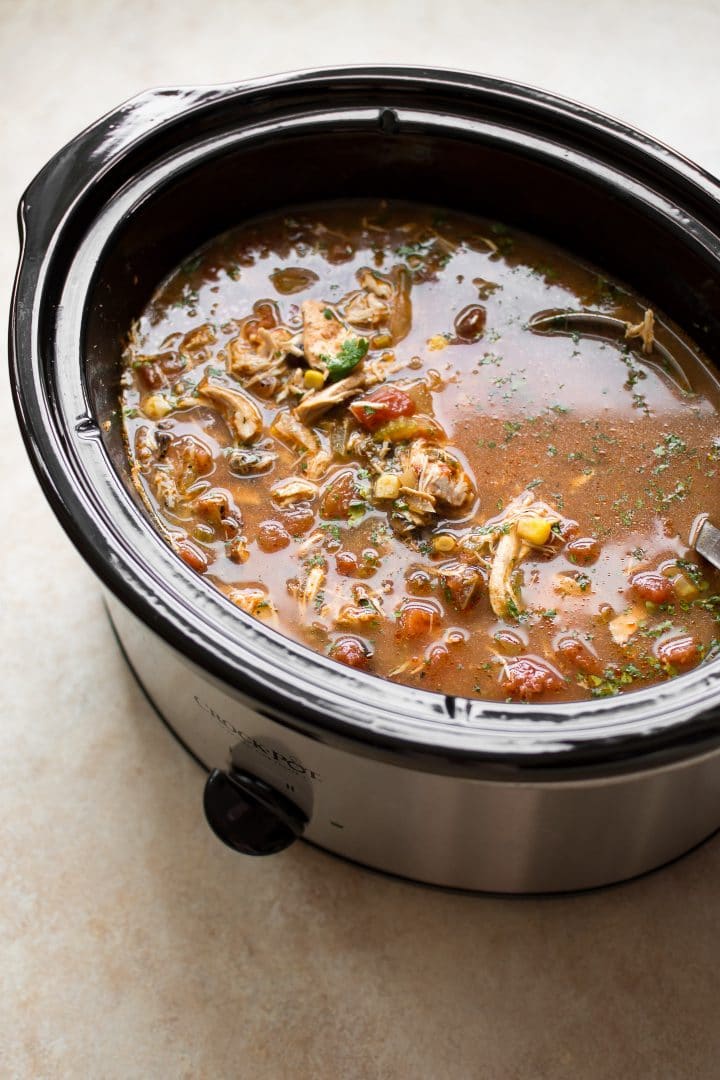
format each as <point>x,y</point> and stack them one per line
<point>290,764</point>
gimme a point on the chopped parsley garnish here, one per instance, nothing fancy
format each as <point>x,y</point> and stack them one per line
<point>613,680</point>
<point>332,530</point>
<point>692,571</point>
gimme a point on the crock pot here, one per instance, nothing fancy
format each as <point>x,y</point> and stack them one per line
<point>441,789</point>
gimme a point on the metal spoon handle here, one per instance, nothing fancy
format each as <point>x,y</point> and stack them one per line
<point>589,322</point>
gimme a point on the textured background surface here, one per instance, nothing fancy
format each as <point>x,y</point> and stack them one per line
<point>131,943</point>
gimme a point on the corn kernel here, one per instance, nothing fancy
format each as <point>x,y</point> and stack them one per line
<point>437,342</point>
<point>444,543</point>
<point>534,530</point>
<point>313,379</point>
<point>155,406</point>
<point>387,486</point>
<point>381,341</point>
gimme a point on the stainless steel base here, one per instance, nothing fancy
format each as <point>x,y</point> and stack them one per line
<point>445,830</point>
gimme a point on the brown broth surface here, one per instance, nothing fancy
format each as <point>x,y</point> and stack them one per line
<point>585,432</point>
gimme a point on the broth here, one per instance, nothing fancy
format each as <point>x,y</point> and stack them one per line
<point>343,418</point>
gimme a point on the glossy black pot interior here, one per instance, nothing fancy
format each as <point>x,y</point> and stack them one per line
<point>116,210</point>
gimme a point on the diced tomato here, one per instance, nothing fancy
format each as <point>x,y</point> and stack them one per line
<point>577,654</point>
<point>529,676</point>
<point>346,563</point>
<point>192,556</point>
<point>649,585</point>
<point>585,550</point>
<point>350,651</point>
<point>386,403</point>
<point>415,619</point>
<point>272,536</point>
<point>437,656</point>
<point>338,496</point>
<point>679,652</point>
<point>298,519</point>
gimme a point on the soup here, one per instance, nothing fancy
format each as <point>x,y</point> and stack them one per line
<point>432,448</point>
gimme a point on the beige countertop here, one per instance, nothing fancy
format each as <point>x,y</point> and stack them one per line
<point>132,944</point>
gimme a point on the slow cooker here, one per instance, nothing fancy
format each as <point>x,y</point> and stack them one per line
<point>441,789</point>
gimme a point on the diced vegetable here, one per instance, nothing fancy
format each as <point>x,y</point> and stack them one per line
<point>529,676</point>
<point>415,619</point>
<point>313,379</point>
<point>584,550</point>
<point>350,651</point>
<point>651,586</point>
<point>338,496</point>
<point>272,536</point>
<point>192,556</point>
<point>679,652</point>
<point>156,406</point>
<point>382,341</point>
<point>404,428</point>
<point>624,625</point>
<point>685,589</point>
<point>387,403</point>
<point>534,530</point>
<point>387,486</point>
<point>444,543</point>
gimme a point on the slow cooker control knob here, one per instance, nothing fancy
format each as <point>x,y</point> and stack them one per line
<point>248,815</point>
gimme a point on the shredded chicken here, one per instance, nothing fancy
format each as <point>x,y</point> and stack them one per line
<point>506,558</point>
<point>318,402</point>
<point>315,540</point>
<point>570,585</point>
<point>166,489</point>
<point>432,476</point>
<point>413,666</point>
<point>644,330</point>
<point>382,301</point>
<point>145,446</point>
<point>511,549</point>
<point>310,594</point>
<point>197,340</point>
<point>378,368</point>
<point>375,284</point>
<point>364,610</point>
<point>316,458</point>
<point>323,333</point>
<point>243,461</point>
<point>265,354</point>
<point>288,427</point>
<point>366,310</point>
<point>217,508</point>
<point>240,411</point>
<point>179,463</point>
<point>293,489</point>
<point>316,465</point>
<point>627,623</point>
<point>254,601</point>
